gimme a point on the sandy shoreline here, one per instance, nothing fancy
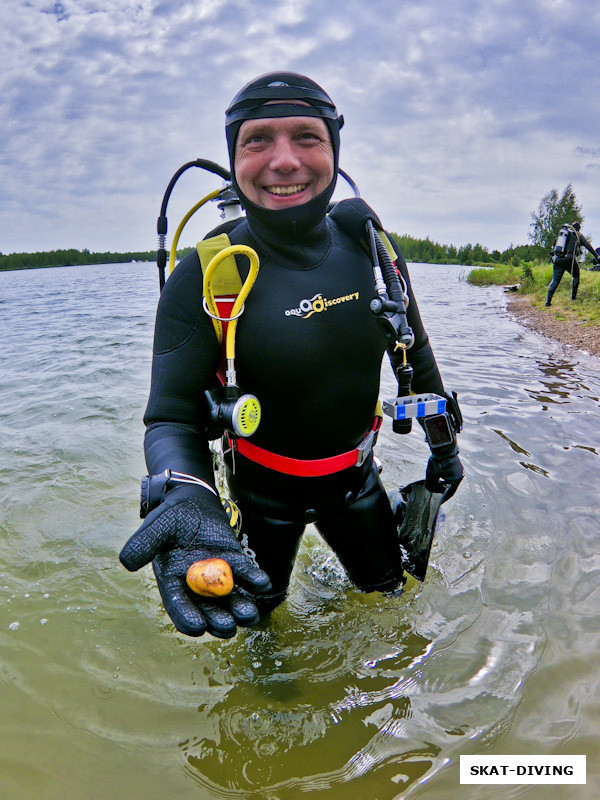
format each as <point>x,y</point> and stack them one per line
<point>571,332</point>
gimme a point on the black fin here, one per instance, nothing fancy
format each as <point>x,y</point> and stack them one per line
<point>416,532</point>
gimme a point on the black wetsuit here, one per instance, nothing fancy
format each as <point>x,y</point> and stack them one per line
<point>310,349</point>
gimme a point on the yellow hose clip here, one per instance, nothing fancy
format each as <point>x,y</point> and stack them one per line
<point>402,347</point>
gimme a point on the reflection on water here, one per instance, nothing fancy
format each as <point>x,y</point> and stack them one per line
<point>340,694</point>
<point>559,382</point>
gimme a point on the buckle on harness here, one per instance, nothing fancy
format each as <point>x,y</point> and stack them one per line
<point>364,448</point>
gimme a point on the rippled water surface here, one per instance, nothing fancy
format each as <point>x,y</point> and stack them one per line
<point>342,695</point>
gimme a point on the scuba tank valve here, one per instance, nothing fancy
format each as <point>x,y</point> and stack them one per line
<point>229,204</point>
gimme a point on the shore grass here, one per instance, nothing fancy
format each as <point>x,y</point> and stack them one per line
<point>533,278</point>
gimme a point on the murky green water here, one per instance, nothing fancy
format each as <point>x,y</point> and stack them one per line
<point>342,695</point>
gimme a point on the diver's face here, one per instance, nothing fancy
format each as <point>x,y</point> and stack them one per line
<point>283,161</point>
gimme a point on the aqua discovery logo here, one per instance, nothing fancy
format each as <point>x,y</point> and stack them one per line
<point>318,304</point>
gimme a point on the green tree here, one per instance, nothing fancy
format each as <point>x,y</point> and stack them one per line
<point>465,254</point>
<point>553,211</point>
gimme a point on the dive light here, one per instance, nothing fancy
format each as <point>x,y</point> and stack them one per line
<point>414,406</point>
<point>440,417</point>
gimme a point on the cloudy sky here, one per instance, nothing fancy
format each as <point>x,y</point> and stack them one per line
<point>460,115</point>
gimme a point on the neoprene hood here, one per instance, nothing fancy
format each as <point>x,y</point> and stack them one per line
<point>269,96</point>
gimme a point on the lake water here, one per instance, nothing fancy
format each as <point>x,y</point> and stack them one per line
<point>343,695</point>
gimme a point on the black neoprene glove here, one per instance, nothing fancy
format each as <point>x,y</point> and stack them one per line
<point>444,471</point>
<point>190,525</point>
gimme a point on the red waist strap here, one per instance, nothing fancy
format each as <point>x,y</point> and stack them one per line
<point>310,468</point>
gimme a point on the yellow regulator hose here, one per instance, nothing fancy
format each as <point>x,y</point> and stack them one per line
<point>238,306</point>
<point>183,223</point>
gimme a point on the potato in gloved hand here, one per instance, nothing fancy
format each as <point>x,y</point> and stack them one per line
<point>190,525</point>
<point>211,577</point>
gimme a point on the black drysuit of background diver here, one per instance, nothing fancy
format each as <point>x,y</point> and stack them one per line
<point>315,372</point>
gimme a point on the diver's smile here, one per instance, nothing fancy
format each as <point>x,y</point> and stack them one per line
<point>287,190</point>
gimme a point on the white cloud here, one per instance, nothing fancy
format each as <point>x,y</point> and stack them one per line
<point>460,116</point>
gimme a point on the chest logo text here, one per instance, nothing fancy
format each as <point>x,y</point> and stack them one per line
<point>317,304</point>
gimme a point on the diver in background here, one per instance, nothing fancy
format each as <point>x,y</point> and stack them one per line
<point>310,349</point>
<point>567,251</point>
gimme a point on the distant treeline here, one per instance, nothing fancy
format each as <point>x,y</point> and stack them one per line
<point>421,250</point>
<point>427,252</point>
<point>67,258</point>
